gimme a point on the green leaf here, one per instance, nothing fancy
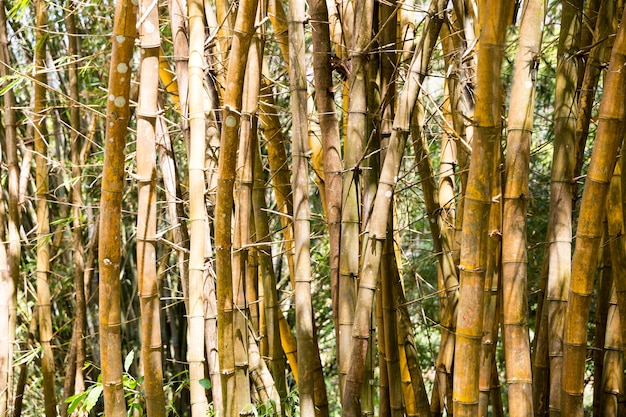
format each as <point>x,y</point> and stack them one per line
<point>205,383</point>
<point>129,360</point>
<point>92,398</point>
<point>129,382</point>
<point>135,406</point>
<point>75,401</point>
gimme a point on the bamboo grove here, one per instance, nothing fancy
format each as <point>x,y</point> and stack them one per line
<point>322,208</point>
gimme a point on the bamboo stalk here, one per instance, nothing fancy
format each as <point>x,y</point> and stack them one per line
<point>43,214</point>
<point>302,261</point>
<point>376,232</point>
<point>147,275</point>
<point>198,222</point>
<point>478,198</point>
<point>608,139</point>
<point>561,195</point>
<point>118,114</point>
<point>229,341</point>
<point>14,245</point>
<point>514,254</point>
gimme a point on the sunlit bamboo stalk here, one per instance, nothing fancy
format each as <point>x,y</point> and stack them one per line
<point>608,139</point>
<point>149,296</point>
<point>198,222</point>
<point>514,253</point>
<point>377,229</point>
<point>302,262</point>
<point>109,250</point>
<point>493,22</point>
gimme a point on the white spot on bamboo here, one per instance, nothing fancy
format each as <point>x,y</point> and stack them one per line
<point>388,194</point>
<point>120,38</point>
<point>528,84</point>
<point>111,97</point>
<point>122,68</point>
<point>149,27</point>
<point>120,101</point>
<point>230,121</point>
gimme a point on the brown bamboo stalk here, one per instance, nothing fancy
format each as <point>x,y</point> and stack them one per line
<point>276,13</point>
<point>74,378</point>
<point>587,29</point>
<point>443,249</point>
<point>178,23</point>
<point>514,253</point>
<point>478,196</point>
<point>147,111</point>
<point>43,215</point>
<point>561,194</point>
<point>198,227</point>
<point>243,216</point>
<point>605,285</point>
<point>388,328</point>
<point>357,134</point>
<point>275,355</point>
<point>496,393</point>
<point>447,274</point>
<point>262,379</point>
<point>228,340</point>
<point>540,358</point>
<point>377,229</point>
<point>20,385</point>
<point>384,400</point>
<point>598,55</point>
<point>329,126</point>
<point>613,375</point>
<point>279,169</point>
<point>5,315</point>
<point>407,348</point>
<point>608,139</point>
<point>615,230</point>
<point>118,114</point>
<point>302,261</point>
<point>13,217</point>
<point>491,294</point>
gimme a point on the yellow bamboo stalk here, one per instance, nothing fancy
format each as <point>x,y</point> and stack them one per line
<point>608,139</point>
<point>514,254</point>
<point>493,22</point>
<point>612,381</point>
